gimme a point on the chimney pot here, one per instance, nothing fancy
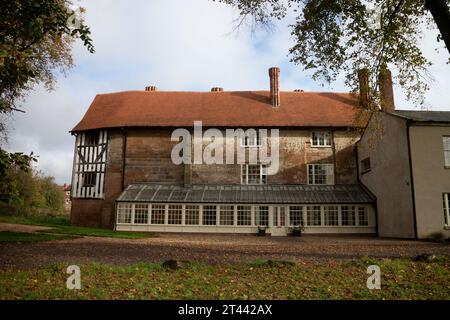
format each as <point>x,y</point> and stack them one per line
<point>274,74</point>
<point>386,90</point>
<point>364,88</point>
<point>151,88</point>
<point>216,89</point>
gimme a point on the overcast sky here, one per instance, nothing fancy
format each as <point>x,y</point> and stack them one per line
<point>175,45</point>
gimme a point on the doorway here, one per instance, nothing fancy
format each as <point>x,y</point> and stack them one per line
<point>279,215</point>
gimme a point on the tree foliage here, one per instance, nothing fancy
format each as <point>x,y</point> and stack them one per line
<point>24,187</point>
<point>36,38</point>
<point>334,36</point>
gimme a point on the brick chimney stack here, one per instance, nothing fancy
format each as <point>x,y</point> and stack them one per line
<point>386,90</point>
<point>151,88</point>
<point>364,88</point>
<point>274,74</point>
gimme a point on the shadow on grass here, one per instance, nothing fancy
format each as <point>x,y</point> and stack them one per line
<point>61,225</point>
<point>23,237</point>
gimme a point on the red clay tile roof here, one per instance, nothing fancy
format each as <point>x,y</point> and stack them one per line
<point>218,109</point>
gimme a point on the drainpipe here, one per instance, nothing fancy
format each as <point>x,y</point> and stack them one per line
<point>124,155</point>
<point>413,196</point>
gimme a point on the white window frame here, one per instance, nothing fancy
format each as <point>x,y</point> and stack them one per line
<point>329,212</point>
<point>244,213</point>
<point>446,147</point>
<point>329,176</point>
<point>326,137</point>
<point>189,211</point>
<point>159,211</point>
<point>314,209</point>
<point>362,211</point>
<point>141,214</point>
<point>207,209</point>
<point>125,213</point>
<point>446,200</point>
<point>296,213</point>
<point>175,214</point>
<point>262,174</point>
<point>245,140</point>
<point>352,217</point>
<point>226,212</point>
<point>262,211</point>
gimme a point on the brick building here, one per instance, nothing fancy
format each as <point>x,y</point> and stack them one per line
<point>67,196</point>
<point>124,177</point>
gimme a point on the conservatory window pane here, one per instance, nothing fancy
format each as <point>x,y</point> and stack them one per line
<point>140,213</point>
<point>209,215</point>
<point>192,215</point>
<point>158,213</point>
<point>124,213</point>
<point>244,215</point>
<point>226,215</point>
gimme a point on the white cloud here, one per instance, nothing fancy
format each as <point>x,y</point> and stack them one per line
<point>175,45</point>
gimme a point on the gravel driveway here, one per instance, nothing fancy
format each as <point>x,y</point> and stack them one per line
<point>213,248</point>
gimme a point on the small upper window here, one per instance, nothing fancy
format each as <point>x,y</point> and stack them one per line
<point>91,138</point>
<point>365,165</point>
<point>251,138</point>
<point>89,179</point>
<point>321,139</point>
<point>321,174</point>
<point>254,174</point>
<point>446,142</point>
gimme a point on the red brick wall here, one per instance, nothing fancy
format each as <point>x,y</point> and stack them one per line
<point>98,212</point>
<point>148,159</point>
<point>295,153</point>
<point>86,212</point>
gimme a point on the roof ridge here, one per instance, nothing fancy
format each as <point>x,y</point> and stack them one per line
<point>222,92</point>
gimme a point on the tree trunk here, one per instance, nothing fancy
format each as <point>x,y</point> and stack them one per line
<point>441,15</point>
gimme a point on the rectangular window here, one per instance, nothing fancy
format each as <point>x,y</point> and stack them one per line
<point>446,142</point>
<point>313,215</point>
<point>124,213</point>
<point>331,214</point>
<point>175,214</point>
<point>363,216</point>
<point>321,174</point>
<point>209,215</point>
<point>365,165</point>
<point>226,215</point>
<point>296,216</point>
<point>244,215</point>
<point>140,213</point>
<point>192,215</point>
<point>89,179</point>
<point>348,215</point>
<point>321,139</point>
<point>262,216</point>
<point>91,138</point>
<point>446,197</point>
<point>251,138</point>
<point>158,213</point>
<point>253,174</point>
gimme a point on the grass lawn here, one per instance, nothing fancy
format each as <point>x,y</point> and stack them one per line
<point>22,237</point>
<point>60,225</point>
<point>400,279</point>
